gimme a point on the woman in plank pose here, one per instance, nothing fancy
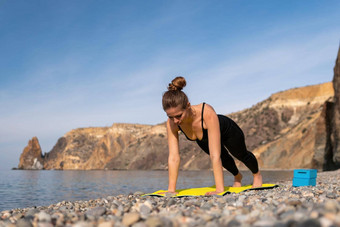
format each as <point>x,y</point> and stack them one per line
<point>216,134</point>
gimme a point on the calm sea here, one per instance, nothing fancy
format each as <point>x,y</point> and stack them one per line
<point>22,188</point>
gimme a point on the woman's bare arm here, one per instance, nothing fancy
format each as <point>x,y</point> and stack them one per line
<point>174,158</point>
<point>214,137</point>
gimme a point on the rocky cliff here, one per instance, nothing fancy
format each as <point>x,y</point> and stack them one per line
<point>288,130</point>
<point>297,128</point>
<point>333,122</point>
<point>122,146</point>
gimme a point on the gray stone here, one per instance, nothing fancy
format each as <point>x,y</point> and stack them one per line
<point>96,212</point>
<point>31,212</point>
<point>217,196</point>
<point>212,224</point>
<point>289,214</point>
<point>130,218</point>
<point>230,200</point>
<point>206,206</point>
<point>166,222</point>
<point>44,224</point>
<point>189,203</point>
<point>241,218</point>
<point>106,224</point>
<point>254,213</point>
<point>331,195</point>
<point>233,223</point>
<point>242,198</point>
<point>309,223</point>
<point>17,216</point>
<point>154,222</point>
<point>63,208</point>
<point>117,203</point>
<point>144,211</point>
<point>280,224</point>
<point>264,223</point>
<point>149,204</point>
<point>44,217</point>
<point>139,224</point>
<point>24,223</point>
<point>239,204</point>
<point>291,223</point>
<point>171,202</point>
<point>331,206</point>
<point>207,217</point>
<point>83,224</point>
<point>294,202</point>
<point>5,214</point>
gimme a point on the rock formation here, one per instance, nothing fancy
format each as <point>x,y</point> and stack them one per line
<point>122,146</point>
<point>332,155</point>
<point>288,130</point>
<point>31,157</point>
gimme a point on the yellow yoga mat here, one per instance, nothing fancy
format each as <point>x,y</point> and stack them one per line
<point>202,191</point>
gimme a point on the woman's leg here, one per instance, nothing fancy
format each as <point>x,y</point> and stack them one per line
<point>227,162</point>
<point>235,144</point>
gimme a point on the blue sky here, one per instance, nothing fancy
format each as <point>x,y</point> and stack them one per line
<point>71,64</point>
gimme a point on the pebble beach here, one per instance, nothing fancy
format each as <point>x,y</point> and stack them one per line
<point>282,206</point>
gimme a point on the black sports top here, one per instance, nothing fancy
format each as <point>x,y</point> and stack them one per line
<point>205,131</point>
<point>225,124</point>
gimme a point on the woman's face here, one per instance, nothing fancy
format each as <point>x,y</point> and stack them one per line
<point>176,114</point>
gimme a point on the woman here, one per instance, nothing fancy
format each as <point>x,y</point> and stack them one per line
<point>216,134</point>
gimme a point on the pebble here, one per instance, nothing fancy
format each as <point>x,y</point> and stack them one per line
<point>130,218</point>
<point>24,223</point>
<point>96,212</point>
<point>44,217</point>
<point>171,201</point>
<point>283,206</point>
<point>31,212</point>
<point>154,222</point>
<point>144,211</point>
<point>106,224</point>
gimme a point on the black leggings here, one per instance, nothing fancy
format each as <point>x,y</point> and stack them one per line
<point>234,142</point>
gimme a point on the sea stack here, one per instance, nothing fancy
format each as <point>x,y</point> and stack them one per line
<point>31,158</point>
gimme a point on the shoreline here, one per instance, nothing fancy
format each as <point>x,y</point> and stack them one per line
<point>283,206</point>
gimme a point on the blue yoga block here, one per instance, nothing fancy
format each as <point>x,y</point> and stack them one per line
<point>304,177</point>
<point>305,173</point>
<point>304,182</point>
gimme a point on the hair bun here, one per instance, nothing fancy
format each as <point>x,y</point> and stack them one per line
<point>177,84</point>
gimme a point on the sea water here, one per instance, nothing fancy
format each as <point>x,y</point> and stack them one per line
<point>24,188</point>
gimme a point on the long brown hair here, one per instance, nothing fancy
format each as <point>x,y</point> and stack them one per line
<point>175,96</point>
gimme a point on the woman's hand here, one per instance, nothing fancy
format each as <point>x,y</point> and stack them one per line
<point>213,193</point>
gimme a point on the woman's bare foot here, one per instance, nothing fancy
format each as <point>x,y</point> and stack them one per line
<point>237,180</point>
<point>257,180</point>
